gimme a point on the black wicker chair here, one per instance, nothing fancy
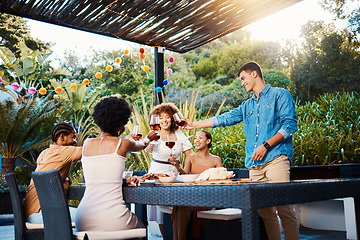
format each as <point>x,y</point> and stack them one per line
<point>56,216</point>
<point>23,231</point>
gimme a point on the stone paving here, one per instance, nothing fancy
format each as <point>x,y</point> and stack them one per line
<point>7,232</point>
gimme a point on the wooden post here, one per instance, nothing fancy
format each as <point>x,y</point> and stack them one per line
<point>159,74</point>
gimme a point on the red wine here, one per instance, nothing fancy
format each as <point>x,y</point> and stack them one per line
<point>181,123</point>
<point>155,126</point>
<point>170,144</point>
<point>157,138</point>
<point>139,135</point>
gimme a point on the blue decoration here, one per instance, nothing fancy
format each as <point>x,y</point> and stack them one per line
<point>165,82</point>
<point>158,89</point>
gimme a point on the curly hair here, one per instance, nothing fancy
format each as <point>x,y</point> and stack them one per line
<point>111,113</point>
<point>61,128</point>
<point>168,108</point>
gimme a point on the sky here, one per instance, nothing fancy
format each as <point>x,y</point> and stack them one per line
<point>282,25</point>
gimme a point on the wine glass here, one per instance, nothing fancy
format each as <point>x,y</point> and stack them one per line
<point>137,132</point>
<point>155,124</point>
<point>178,117</point>
<point>170,143</point>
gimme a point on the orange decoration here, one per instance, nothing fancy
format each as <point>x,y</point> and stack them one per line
<point>118,60</point>
<point>108,68</point>
<point>58,90</point>
<point>146,68</point>
<point>73,86</point>
<point>86,81</point>
<point>98,75</point>
<point>126,52</point>
<point>42,91</point>
<point>142,55</point>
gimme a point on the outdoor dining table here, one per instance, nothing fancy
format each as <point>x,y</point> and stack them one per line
<point>248,196</point>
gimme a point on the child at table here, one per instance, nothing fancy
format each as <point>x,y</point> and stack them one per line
<point>194,164</point>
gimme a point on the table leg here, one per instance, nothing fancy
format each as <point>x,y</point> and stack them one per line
<point>357,214</point>
<point>250,224</point>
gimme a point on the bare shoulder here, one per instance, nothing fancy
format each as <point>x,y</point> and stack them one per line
<point>216,160</point>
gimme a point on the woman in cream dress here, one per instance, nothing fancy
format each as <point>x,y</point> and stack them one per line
<point>162,154</point>
<point>102,208</point>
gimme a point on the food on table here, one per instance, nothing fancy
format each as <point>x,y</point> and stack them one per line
<point>153,176</point>
<point>215,174</point>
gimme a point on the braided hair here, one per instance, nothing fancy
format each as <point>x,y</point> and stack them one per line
<point>61,128</point>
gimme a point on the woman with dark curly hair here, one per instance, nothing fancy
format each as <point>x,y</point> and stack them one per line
<point>102,208</point>
<point>162,155</point>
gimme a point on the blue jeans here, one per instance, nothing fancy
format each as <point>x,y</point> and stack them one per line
<point>36,218</point>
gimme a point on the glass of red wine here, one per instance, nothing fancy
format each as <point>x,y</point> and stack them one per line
<point>179,119</point>
<point>170,142</point>
<point>137,132</point>
<point>155,124</point>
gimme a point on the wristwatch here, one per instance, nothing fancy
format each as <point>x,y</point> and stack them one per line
<point>266,145</point>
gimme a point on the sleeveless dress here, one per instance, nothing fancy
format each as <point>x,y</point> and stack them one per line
<point>102,208</point>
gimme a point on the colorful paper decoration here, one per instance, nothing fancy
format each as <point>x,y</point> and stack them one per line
<point>109,68</point>
<point>42,91</point>
<point>150,81</point>
<point>158,89</point>
<point>98,75</point>
<point>58,90</point>
<point>118,60</point>
<point>15,86</point>
<point>32,90</point>
<point>86,81</point>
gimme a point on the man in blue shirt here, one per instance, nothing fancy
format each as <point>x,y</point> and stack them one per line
<point>269,120</point>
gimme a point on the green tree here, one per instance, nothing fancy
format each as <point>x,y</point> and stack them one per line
<point>346,10</point>
<point>14,30</point>
<point>24,127</point>
<point>329,61</point>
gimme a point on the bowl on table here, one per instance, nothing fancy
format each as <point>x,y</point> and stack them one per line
<point>167,179</point>
<point>187,178</point>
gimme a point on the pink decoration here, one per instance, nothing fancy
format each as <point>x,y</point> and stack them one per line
<point>32,90</point>
<point>15,86</point>
<point>0,79</point>
<point>169,71</point>
<point>171,59</point>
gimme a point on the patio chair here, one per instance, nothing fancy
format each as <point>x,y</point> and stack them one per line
<point>23,230</point>
<point>56,216</point>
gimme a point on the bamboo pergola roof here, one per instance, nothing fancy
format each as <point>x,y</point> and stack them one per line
<point>177,25</point>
